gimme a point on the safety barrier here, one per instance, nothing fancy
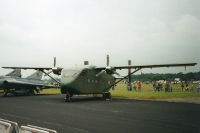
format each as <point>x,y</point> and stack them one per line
<point>5,127</point>
<point>12,127</point>
<point>35,129</point>
<point>26,129</point>
<point>8,126</point>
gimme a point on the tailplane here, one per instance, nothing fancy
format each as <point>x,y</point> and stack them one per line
<point>36,75</point>
<point>15,73</point>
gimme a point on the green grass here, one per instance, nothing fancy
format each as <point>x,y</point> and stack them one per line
<point>50,91</point>
<point>148,92</point>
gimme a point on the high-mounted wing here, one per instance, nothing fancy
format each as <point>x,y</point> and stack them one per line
<point>148,66</point>
<point>156,66</point>
<point>34,68</point>
<point>112,70</point>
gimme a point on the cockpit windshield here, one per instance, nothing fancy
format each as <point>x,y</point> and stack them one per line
<point>70,73</point>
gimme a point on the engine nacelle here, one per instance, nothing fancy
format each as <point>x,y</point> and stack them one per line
<point>57,70</point>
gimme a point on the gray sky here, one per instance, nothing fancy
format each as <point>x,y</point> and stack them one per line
<point>145,31</point>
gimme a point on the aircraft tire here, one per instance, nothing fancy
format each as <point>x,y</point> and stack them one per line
<point>31,92</point>
<point>4,93</point>
<point>67,97</point>
<point>107,96</point>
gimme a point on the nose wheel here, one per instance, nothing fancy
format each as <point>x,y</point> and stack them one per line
<point>107,96</point>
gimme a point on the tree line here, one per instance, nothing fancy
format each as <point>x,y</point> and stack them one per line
<point>155,77</point>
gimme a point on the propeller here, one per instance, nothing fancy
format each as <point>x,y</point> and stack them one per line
<point>108,69</point>
<point>55,70</point>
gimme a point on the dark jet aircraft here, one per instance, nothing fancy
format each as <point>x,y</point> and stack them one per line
<point>14,84</point>
<point>92,79</point>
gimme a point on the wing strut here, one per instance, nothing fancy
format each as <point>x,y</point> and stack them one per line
<point>50,76</point>
<point>124,78</point>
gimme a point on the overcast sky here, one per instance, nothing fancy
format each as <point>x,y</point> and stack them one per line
<point>145,31</point>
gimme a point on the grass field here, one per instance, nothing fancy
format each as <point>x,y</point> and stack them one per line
<point>50,91</point>
<point>149,93</point>
<point>146,93</point>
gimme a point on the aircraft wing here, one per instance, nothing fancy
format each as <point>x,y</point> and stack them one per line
<point>34,68</point>
<point>149,66</point>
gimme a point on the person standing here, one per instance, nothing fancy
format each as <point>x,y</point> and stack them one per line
<point>186,86</point>
<point>139,86</point>
<point>198,88</point>
<point>131,88</point>
<point>167,87</point>
<point>154,86</point>
<point>192,87</point>
<point>135,87</point>
<point>182,86</point>
<point>159,86</point>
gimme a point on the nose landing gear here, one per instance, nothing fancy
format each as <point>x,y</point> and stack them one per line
<point>107,96</point>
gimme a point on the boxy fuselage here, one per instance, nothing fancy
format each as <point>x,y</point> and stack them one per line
<point>85,81</point>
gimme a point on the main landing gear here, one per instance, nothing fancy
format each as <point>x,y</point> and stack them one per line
<point>107,96</point>
<point>68,97</point>
<point>31,92</point>
<point>4,93</point>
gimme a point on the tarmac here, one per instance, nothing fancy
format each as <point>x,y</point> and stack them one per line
<point>87,114</point>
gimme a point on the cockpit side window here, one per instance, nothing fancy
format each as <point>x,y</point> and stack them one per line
<point>84,72</point>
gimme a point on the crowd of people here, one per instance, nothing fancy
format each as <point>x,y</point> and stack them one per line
<point>136,87</point>
<point>158,86</point>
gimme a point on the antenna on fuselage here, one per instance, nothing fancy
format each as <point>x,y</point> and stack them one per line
<point>86,63</point>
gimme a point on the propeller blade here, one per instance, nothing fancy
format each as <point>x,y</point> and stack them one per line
<point>107,63</point>
<point>54,63</point>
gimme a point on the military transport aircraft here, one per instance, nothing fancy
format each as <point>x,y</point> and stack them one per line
<point>92,79</point>
<point>14,84</point>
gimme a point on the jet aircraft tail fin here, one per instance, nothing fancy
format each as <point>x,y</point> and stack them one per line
<point>36,75</point>
<point>15,73</point>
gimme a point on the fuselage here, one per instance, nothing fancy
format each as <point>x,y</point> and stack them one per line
<point>85,81</point>
<point>20,83</point>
